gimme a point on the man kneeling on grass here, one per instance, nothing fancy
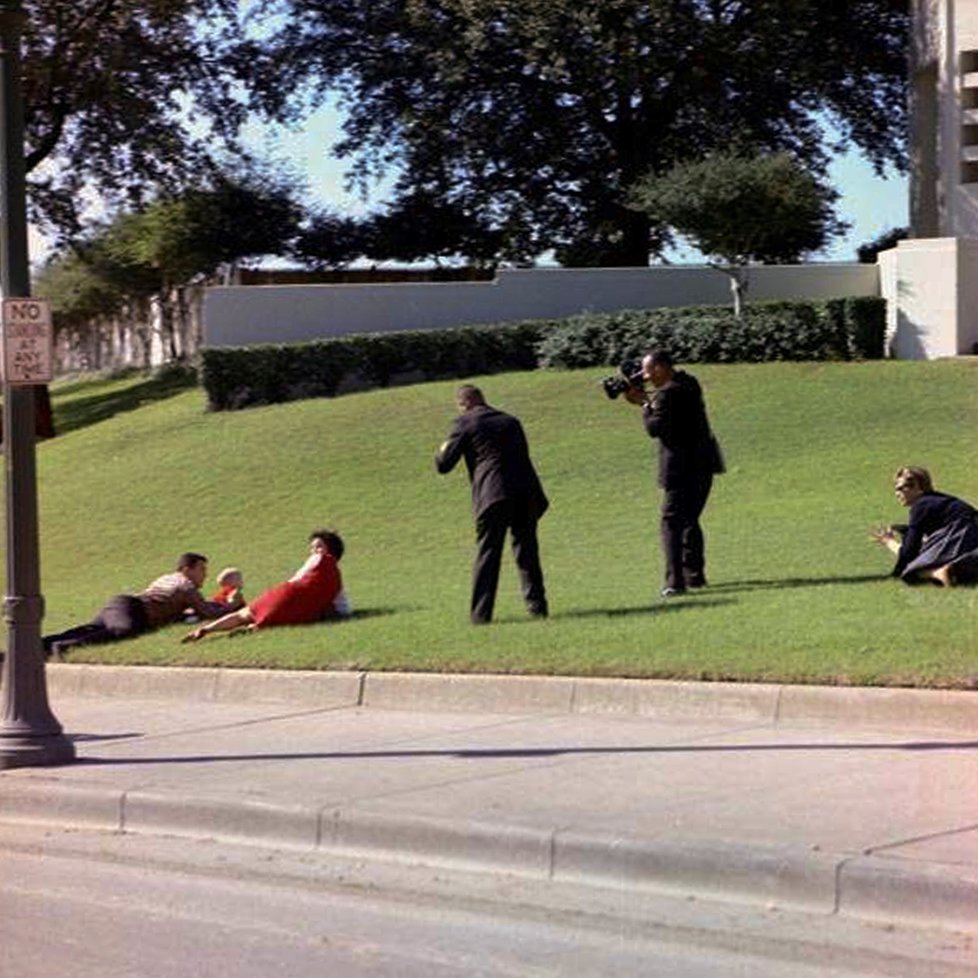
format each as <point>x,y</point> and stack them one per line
<point>313,593</point>
<point>166,600</point>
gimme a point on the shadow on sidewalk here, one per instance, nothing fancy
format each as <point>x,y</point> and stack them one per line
<point>84,738</point>
<point>533,752</point>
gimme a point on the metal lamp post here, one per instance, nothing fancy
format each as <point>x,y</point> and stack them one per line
<point>29,732</point>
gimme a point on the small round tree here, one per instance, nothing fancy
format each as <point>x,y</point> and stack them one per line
<point>737,209</point>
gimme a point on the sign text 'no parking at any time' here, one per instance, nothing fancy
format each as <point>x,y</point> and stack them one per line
<point>27,341</point>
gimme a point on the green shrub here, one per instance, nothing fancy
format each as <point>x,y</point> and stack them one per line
<point>236,377</point>
<point>834,329</point>
<point>866,317</point>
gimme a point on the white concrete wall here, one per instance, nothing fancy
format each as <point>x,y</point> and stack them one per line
<point>931,287</point>
<point>245,315</point>
<point>889,277</point>
<point>967,326</point>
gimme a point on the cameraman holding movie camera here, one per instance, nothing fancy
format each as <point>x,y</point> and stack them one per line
<point>689,456</point>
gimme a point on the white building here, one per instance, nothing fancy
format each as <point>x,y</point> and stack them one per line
<point>931,280</point>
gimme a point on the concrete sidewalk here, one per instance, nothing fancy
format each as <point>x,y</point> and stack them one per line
<point>857,802</point>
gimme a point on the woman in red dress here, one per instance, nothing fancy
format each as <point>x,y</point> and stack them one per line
<point>308,596</point>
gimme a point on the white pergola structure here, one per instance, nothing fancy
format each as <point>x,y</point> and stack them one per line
<point>931,279</point>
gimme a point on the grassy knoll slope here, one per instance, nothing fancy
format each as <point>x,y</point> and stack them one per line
<point>798,592</point>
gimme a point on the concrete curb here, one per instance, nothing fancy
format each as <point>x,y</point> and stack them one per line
<point>858,886</point>
<point>314,689</point>
<point>950,711</point>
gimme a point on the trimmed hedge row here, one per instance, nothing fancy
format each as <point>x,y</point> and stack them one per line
<point>834,329</point>
<point>238,377</point>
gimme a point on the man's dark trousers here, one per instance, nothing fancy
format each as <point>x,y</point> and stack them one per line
<point>682,537</point>
<point>490,528</point>
<point>123,616</point>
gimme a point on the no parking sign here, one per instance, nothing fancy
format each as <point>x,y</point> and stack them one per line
<point>27,342</point>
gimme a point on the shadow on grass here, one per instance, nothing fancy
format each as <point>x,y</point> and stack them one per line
<point>665,606</point>
<point>81,412</point>
<point>495,753</point>
<point>358,615</point>
<point>776,584</point>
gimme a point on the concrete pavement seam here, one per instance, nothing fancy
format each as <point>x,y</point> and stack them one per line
<point>123,823</point>
<point>837,904</point>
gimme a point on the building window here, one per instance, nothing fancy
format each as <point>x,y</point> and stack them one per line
<point>969,116</point>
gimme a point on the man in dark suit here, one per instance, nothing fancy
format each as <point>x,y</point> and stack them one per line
<point>506,494</point>
<point>688,459</point>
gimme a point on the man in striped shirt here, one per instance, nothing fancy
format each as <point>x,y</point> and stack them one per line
<point>128,615</point>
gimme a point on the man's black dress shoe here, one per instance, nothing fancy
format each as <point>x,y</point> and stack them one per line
<point>672,592</point>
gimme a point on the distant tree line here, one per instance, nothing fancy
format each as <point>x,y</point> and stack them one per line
<point>598,132</point>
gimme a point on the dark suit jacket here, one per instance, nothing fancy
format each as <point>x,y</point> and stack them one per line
<point>498,459</point>
<point>676,415</point>
<point>931,512</point>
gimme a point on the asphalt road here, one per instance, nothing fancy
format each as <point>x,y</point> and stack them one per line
<point>97,905</point>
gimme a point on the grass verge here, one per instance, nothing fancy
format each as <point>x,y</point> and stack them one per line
<point>797,591</point>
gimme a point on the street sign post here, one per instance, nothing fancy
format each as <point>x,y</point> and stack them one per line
<point>27,342</point>
<point>30,734</point>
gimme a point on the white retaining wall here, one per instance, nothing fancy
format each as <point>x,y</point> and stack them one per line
<point>244,315</point>
<point>931,288</point>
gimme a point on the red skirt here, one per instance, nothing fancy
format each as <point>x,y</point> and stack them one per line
<point>299,602</point>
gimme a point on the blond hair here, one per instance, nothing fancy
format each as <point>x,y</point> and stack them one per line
<point>914,475</point>
<point>226,574</point>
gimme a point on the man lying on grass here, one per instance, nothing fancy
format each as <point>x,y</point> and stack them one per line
<point>164,601</point>
<point>313,593</point>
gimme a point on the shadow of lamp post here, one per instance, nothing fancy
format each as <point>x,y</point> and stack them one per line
<point>29,732</point>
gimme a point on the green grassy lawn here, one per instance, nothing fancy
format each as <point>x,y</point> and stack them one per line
<point>798,593</point>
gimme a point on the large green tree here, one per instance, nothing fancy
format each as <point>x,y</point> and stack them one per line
<point>415,228</point>
<point>738,208</point>
<point>539,115</point>
<point>125,97</point>
<point>174,241</point>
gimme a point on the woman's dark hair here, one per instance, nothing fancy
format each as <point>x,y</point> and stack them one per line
<point>333,541</point>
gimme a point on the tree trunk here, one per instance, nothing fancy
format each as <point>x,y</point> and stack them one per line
<point>167,329</point>
<point>635,240</point>
<point>739,282</point>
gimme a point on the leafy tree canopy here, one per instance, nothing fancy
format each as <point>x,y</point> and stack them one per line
<point>78,293</point>
<point>329,240</point>
<point>124,97</point>
<point>741,208</point>
<point>192,234</point>
<point>866,253</point>
<point>174,240</point>
<point>412,229</point>
<point>539,115</point>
